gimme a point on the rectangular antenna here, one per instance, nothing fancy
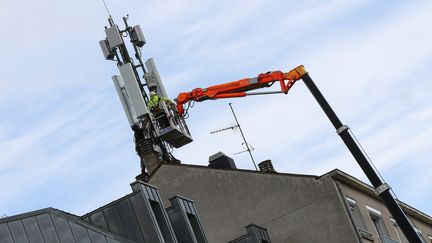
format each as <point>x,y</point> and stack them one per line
<point>124,99</point>
<point>151,67</point>
<point>133,90</point>
<point>137,36</point>
<point>113,36</point>
<point>108,53</point>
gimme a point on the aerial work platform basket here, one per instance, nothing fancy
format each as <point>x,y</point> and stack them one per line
<point>171,127</point>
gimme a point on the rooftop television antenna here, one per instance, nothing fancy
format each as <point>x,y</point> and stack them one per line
<point>249,148</point>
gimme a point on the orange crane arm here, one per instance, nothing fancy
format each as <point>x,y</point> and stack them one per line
<point>238,88</point>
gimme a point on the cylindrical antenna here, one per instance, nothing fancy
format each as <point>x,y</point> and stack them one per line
<point>106,7</point>
<point>244,139</point>
<point>110,19</point>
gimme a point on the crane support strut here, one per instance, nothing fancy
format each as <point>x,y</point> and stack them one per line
<point>385,193</point>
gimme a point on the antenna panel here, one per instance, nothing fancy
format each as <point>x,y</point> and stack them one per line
<point>108,54</point>
<point>150,80</point>
<point>137,36</point>
<point>133,90</point>
<point>113,36</point>
<point>151,67</point>
<point>124,99</point>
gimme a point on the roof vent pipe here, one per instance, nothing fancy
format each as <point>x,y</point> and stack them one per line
<point>266,166</point>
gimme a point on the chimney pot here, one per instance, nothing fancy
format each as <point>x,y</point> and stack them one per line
<point>266,166</point>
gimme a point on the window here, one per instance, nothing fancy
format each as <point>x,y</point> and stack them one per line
<point>161,220</point>
<point>199,235</point>
<point>400,236</point>
<point>378,222</point>
<point>396,229</point>
<point>379,226</point>
<point>357,218</point>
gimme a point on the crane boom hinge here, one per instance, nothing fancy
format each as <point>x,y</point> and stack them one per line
<point>342,129</point>
<point>382,188</point>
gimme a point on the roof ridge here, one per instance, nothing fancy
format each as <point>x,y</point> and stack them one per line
<point>234,170</point>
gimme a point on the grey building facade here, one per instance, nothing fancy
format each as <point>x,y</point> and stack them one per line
<point>371,218</point>
<point>293,208</point>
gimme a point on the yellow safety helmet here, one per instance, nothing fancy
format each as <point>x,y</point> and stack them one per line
<point>152,93</point>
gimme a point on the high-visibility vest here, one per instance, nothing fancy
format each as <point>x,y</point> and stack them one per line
<point>154,101</point>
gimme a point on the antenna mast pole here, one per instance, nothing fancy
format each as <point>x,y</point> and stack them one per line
<point>157,130</point>
<point>244,139</point>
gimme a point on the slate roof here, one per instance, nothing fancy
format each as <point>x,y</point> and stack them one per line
<point>52,225</point>
<point>136,217</point>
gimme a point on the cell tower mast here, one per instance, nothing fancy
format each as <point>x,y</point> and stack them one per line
<point>156,130</point>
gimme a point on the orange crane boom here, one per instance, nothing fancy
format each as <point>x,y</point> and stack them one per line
<point>238,88</point>
<point>287,80</point>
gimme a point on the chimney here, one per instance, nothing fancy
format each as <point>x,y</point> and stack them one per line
<point>221,161</point>
<point>266,166</point>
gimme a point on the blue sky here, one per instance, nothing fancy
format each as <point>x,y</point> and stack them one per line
<point>65,142</point>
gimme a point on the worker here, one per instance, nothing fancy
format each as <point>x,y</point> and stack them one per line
<point>154,106</point>
<point>153,103</point>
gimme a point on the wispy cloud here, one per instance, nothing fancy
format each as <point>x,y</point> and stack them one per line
<point>63,131</point>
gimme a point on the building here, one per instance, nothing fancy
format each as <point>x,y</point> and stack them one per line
<point>139,217</point>
<point>234,205</point>
<point>334,207</point>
